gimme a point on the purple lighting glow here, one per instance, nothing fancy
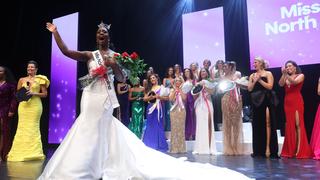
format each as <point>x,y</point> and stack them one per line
<point>63,81</point>
<point>203,36</point>
<point>283,30</point>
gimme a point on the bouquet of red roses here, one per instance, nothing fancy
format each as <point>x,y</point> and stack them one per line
<point>133,64</point>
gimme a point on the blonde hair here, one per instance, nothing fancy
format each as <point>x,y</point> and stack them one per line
<point>178,79</point>
<point>264,63</point>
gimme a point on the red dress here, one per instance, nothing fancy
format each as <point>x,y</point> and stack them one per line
<point>315,138</point>
<point>293,102</point>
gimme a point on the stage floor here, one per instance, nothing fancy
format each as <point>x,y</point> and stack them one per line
<point>258,168</point>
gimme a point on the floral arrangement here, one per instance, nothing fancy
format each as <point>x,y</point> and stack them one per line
<point>100,72</point>
<point>133,64</point>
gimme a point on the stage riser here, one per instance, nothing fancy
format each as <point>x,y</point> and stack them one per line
<point>247,133</point>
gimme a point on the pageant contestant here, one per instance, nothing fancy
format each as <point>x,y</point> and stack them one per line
<point>295,139</point>
<point>189,82</point>
<point>8,107</point>
<point>99,146</point>
<point>154,135</point>
<point>204,142</point>
<point>264,102</point>
<point>231,106</point>
<point>315,138</point>
<point>136,94</point>
<point>177,117</point>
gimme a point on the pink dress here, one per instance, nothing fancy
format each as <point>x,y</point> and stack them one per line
<point>315,138</point>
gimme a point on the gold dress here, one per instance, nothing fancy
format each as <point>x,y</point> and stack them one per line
<point>178,121</point>
<point>27,141</point>
<point>232,123</point>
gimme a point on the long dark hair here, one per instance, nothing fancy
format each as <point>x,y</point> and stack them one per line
<point>167,72</point>
<point>149,87</point>
<point>231,64</point>
<point>8,75</point>
<point>208,74</point>
<point>191,74</point>
<point>219,62</point>
<point>298,69</point>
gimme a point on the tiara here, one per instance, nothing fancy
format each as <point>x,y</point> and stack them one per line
<point>103,25</point>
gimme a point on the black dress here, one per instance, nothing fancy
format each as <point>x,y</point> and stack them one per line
<point>216,100</point>
<point>262,98</point>
<point>124,105</point>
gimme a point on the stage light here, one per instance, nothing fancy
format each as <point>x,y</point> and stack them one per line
<point>226,85</point>
<point>187,6</point>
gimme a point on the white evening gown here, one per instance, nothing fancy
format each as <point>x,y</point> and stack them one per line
<point>99,146</point>
<point>204,110</point>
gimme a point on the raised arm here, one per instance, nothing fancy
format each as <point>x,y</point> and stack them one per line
<point>252,82</point>
<point>73,54</point>
<point>283,78</point>
<point>296,80</point>
<point>268,85</point>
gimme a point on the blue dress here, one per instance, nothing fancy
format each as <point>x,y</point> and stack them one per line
<point>154,136</point>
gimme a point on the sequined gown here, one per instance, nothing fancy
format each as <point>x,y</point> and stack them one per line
<point>137,116</point>
<point>232,123</point>
<point>178,119</point>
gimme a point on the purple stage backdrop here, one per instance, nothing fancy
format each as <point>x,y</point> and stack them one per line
<point>63,81</point>
<point>281,30</point>
<point>203,36</point>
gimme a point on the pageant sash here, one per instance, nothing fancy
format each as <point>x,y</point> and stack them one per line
<point>97,57</point>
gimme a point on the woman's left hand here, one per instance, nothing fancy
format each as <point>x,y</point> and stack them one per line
<point>30,93</point>
<point>109,61</point>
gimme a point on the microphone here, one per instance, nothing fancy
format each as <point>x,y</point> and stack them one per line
<point>28,85</point>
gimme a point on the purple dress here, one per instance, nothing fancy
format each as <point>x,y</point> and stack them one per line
<point>8,104</point>
<point>154,135</point>
<point>190,118</point>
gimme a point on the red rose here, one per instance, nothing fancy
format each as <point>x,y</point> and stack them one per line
<point>116,55</point>
<point>134,56</point>
<point>100,71</point>
<point>125,54</point>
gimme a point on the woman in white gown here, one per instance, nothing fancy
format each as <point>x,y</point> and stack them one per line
<point>100,146</point>
<point>204,141</point>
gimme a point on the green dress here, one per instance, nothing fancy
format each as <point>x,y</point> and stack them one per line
<point>137,117</point>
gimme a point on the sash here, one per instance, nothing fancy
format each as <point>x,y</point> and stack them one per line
<point>97,57</point>
<point>204,96</point>
<point>156,105</point>
<point>178,102</point>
